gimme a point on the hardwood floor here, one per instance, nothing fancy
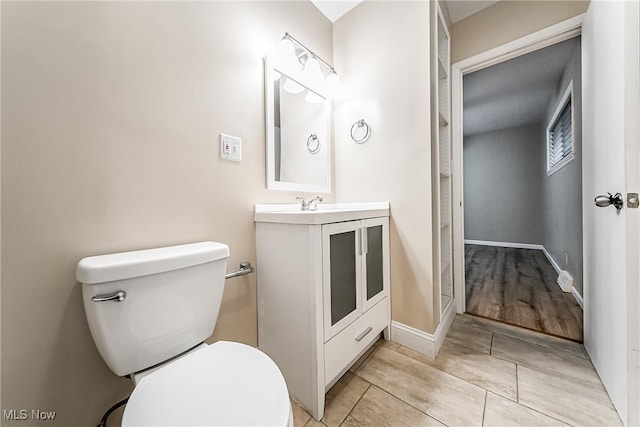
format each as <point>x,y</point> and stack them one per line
<point>518,286</point>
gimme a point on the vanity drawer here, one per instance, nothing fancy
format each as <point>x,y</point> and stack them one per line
<point>341,350</point>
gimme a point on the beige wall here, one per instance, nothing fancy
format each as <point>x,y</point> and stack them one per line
<point>111,115</point>
<point>506,21</point>
<point>381,51</point>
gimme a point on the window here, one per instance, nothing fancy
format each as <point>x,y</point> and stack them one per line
<point>560,146</point>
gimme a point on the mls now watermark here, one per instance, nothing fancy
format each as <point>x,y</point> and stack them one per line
<point>25,414</point>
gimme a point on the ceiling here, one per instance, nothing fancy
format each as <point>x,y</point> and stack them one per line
<point>458,9</point>
<point>334,9</point>
<point>515,92</point>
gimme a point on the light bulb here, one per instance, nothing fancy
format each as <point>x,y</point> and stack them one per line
<point>312,75</point>
<point>286,59</point>
<point>292,86</point>
<point>333,82</point>
<point>313,98</point>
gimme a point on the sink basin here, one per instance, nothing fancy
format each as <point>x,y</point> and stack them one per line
<point>325,214</point>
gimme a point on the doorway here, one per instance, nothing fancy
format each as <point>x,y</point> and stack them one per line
<point>611,78</point>
<point>522,190</point>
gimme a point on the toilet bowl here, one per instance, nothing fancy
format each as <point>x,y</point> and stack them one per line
<point>149,313</point>
<point>222,384</point>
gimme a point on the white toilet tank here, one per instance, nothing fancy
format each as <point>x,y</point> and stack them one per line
<point>170,299</point>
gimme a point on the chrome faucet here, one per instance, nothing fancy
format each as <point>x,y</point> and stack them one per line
<point>311,205</point>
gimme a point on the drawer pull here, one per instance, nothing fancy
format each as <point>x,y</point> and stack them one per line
<point>364,334</point>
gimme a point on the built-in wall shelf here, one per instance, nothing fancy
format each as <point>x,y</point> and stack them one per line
<point>446,268</point>
<point>445,300</point>
<point>443,254</point>
<point>442,69</point>
<point>443,120</point>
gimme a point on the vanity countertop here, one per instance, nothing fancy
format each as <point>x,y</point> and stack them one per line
<point>326,213</point>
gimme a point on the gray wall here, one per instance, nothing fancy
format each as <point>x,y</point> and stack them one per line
<point>502,185</point>
<point>562,191</point>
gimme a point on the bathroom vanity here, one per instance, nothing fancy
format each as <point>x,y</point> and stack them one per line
<point>323,291</point>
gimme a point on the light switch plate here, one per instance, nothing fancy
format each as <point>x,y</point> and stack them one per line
<point>230,147</point>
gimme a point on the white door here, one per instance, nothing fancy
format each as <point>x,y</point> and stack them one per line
<point>610,155</point>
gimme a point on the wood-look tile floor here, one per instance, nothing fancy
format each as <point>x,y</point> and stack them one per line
<point>486,374</point>
<point>519,286</point>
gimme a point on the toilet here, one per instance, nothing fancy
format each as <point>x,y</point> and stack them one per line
<point>149,313</point>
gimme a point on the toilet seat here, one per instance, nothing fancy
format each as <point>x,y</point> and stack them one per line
<point>225,383</point>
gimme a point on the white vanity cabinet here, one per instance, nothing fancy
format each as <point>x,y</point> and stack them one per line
<point>323,291</point>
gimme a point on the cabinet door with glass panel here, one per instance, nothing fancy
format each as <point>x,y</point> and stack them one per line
<point>355,270</point>
<point>375,261</point>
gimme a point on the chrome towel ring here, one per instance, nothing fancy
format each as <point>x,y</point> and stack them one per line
<point>313,143</point>
<point>357,125</point>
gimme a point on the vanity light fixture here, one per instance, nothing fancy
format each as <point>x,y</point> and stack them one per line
<point>303,62</point>
<point>286,56</point>
<point>311,72</point>
<point>333,82</point>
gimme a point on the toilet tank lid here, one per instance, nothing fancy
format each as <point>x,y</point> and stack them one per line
<point>127,265</point>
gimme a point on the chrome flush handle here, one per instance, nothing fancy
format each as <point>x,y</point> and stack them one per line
<point>116,296</point>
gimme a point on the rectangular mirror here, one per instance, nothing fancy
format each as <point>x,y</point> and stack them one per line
<point>298,137</point>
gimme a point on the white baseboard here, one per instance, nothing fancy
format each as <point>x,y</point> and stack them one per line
<point>413,338</point>
<point>503,244</point>
<point>577,297</point>
<point>446,321</point>
<point>421,341</point>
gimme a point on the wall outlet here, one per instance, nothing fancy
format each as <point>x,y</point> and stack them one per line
<point>566,258</point>
<point>230,148</point>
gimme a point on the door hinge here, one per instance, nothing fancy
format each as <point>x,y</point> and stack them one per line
<point>632,200</point>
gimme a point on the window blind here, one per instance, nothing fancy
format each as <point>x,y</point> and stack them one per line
<point>560,137</point>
